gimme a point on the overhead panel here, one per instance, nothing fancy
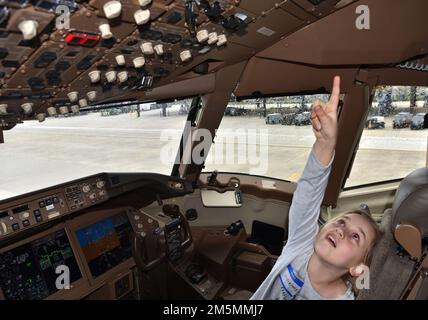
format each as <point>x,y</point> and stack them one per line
<point>391,36</point>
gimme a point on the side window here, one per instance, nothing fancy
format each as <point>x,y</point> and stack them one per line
<point>268,137</point>
<point>393,142</point>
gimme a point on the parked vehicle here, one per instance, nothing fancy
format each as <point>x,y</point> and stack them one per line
<point>274,118</point>
<point>376,122</point>
<point>288,119</point>
<point>233,111</point>
<point>303,119</point>
<point>402,120</point>
<point>417,121</point>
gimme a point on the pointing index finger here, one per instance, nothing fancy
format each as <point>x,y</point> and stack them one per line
<point>335,92</point>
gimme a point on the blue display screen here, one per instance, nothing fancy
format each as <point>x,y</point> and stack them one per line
<point>106,243</point>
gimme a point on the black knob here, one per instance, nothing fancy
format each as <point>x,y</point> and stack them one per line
<point>191,214</point>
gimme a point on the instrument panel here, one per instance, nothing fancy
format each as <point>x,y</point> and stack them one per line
<point>73,240</point>
<point>69,261</point>
<point>17,216</point>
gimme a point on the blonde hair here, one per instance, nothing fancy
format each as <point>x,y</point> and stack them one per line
<point>369,255</point>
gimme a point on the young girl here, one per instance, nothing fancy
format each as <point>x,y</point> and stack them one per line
<point>315,264</point>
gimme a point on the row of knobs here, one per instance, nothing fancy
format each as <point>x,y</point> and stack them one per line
<point>86,188</point>
<point>27,108</point>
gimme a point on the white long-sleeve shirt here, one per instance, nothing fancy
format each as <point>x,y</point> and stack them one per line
<point>289,278</point>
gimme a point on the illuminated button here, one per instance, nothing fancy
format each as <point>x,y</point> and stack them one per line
<point>143,234</point>
<point>42,204</point>
<point>25,223</point>
<point>15,226</point>
<point>92,196</point>
<point>25,215</point>
<point>53,215</point>
<point>149,220</point>
<point>102,193</point>
<point>140,226</point>
<point>86,188</point>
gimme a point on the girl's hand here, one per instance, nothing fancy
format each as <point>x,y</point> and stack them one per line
<point>324,123</point>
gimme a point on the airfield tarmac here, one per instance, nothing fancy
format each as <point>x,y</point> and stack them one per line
<point>36,155</point>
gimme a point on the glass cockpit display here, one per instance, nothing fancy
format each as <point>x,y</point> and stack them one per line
<point>106,244</point>
<point>29,271</point>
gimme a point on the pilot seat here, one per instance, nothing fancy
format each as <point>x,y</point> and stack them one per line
<point>399,265</point>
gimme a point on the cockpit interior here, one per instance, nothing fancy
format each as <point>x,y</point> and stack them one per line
<point>195,234</point>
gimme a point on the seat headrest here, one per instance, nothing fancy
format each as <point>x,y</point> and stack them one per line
<point>411,201</point>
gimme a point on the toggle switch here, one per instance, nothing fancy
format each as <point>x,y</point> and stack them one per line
<point>120,60</point>
<point>144,3</point>
<point>92,95</point>
<point>95,76</point>
<point>147,48</point>
<point>75,108</point>
<point>83,103</point>
<point>159,49</point>
<point>41,117</point>
<point>63,110</point>
<point>142,16</point>
<point>221,40</point>
<point>185,55</point>
<point>139,62</point>
<point>51,111</point>
<point>72,96</point>
<point>105,31</point>
<point>27,107</point>
<point>111,76</point>
<point>28,29</point>
<point>202,35</point>
<point>112,9</point>
<point>122,76</point>
<point>212,38</point>
<point>3,109</point>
